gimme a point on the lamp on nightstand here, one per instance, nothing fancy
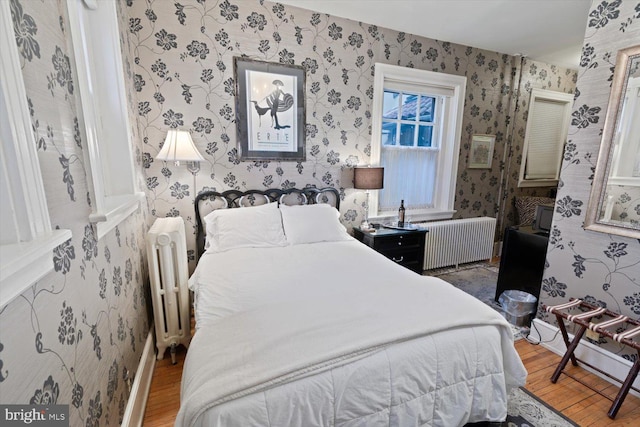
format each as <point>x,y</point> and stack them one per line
<point>368,178</point>
<point>178,146</point>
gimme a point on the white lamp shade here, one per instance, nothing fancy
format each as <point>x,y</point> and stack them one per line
<point>178,146</point>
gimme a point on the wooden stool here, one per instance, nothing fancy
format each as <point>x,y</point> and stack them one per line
<point>583,319</point>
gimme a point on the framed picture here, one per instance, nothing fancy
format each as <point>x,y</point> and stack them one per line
<point>270,110</point>
<point>481,151</point>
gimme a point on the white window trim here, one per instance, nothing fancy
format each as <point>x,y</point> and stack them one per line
<point>451,125</point>
<point>109,210</point>
<point>549,95</point>
<point>31,258</point>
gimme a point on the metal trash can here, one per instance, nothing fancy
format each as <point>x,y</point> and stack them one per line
<point>517,306</point>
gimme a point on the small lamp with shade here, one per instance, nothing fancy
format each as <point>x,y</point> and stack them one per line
<point>367,178</point>
<point>179,147</point>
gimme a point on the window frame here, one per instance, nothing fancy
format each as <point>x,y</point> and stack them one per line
<point>434,124</point>
<point>452,115</point>
<point>552,96</point>
<point>26,256</point>
<point>109,154</point>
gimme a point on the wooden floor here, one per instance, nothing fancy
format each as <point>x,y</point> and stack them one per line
<point>582,405</point>
<point>164,396</point>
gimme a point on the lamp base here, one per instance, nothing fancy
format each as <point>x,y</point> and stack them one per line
<point>366,225</point>
<point>193,167</point>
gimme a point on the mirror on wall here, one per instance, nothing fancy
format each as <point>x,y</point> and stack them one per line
<point>614,205</point>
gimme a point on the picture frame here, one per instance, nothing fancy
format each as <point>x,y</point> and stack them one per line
<point>481,151</point>
<point>270,110</point>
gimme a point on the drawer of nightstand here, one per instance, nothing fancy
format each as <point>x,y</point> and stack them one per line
<point>405,256</point>
<point>399,241</point>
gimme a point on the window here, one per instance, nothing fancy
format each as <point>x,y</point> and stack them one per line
<point>411,127</point>
<point>416,128</point>
<point>95,38</point>
<point>547,128</point>
<point>26,237</point>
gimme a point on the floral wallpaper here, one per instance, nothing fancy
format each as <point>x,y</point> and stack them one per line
<point>601,268</point>
<point>76,336</point>
<point>184,78</point>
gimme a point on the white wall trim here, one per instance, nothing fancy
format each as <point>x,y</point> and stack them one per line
<point>25,263</point>
<point>134,412</point>
<point>23,164</point>
<point>118,209</point>
<point>27,237</point>
<point>590,353</point>
<point>93,27</point>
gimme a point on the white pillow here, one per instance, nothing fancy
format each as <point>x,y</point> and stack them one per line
<point>312,223</point>
<point>210,230</point>
<point>247,227</point>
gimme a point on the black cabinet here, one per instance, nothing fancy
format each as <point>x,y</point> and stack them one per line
<point>405,247</point>
<point>522,261</point>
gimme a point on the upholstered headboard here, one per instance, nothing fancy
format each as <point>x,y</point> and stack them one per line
<point>208,201</point>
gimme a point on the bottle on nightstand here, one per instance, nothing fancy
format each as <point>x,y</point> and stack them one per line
<point>401,214</point>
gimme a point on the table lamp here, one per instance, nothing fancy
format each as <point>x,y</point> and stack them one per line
<point>178,146</point>
<point>368,178</point>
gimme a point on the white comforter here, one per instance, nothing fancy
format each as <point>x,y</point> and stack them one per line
<point>321,325</point>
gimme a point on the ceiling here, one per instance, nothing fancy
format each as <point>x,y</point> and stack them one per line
<point>550,31</point>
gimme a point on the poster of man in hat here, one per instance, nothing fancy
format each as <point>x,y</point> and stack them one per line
<point>271,112</point>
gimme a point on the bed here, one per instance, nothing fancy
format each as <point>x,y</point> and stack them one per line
<point>299,324</point>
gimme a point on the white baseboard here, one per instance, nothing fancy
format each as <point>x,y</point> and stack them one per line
<point>134,412</point>
<point>590,353</point>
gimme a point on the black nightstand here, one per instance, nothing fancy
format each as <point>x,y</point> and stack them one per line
<point>405,247</point>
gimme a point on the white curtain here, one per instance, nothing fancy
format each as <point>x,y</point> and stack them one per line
<point>409,175</point>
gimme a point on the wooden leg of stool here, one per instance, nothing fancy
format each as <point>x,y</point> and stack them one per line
<point>569,354</point>
<point>565,337</point>
<point>622,394</point>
